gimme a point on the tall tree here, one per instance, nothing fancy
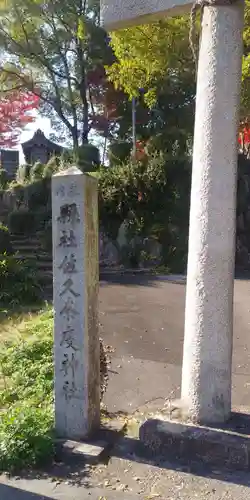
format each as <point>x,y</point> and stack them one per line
<point>15,114</point>
<point>54,48</point>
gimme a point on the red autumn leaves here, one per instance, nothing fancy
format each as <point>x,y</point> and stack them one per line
<point>15,114</point>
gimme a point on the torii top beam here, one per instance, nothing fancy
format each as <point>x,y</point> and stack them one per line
<point>121,14</point>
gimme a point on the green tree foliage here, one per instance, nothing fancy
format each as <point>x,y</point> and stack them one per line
<point>23,173</point>
<point>245,90</point>
<point>51,167</point>
<point>5,241</point>
<point>158,59</point>
<point>3,178</point>
<point>36,171</point>
<point>147,54</point>
<point>57,50</point>
<point>155,64</point>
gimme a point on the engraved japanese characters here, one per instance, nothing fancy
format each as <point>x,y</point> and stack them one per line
<point>68,218</point>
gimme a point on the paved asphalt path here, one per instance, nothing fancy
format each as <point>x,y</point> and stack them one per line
<point>142,318</point>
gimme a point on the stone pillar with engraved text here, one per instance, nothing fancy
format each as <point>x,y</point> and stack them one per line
<point>75,290</point>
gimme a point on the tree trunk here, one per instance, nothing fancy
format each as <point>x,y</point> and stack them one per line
<point>85,110</point>
<point>74,133</point>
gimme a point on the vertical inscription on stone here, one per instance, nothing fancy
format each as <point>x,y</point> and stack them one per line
<point>75,278</point>
<point>69,216</point>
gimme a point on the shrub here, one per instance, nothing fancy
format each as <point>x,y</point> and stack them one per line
<point>46,237</point>
<point>119,152</point>
<point>51,167</point>
<point>18,191</point>
<point>88,158</point>
<point>66,157</point>
<point>3,178</point>
<point>23,173</point>
<point>21,221</point>
<point>36,172</point>
<point>153,197</point>
<point>26,366</point>
<point>5,241</point>
<point>38,194</point>
<point>18,282</point>
<point>26,436</point>
<point>42,218</point>
<point>121,188</point>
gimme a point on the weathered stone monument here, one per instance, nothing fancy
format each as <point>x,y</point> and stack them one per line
<point>75,290</point>
<point>207,357</point>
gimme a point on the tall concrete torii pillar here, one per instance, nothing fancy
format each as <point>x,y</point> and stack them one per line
<point>207,353</point>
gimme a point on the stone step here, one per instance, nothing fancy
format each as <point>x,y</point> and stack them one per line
<point>26,242</point>
<point>21,241</point>
<point>46,281</point>
<point>3,218</point>
<point>38,259</point>
<point>24,237</point>
<point>25,255</point>
<point>45,276</point>
<point>19,236</point>
<point>24,248</point>
<point>44,266</point>
<point>38,256</point>
<point>48,286</point>
<point>45,272</point>
<point>46,259</point>
<point>30,248</point>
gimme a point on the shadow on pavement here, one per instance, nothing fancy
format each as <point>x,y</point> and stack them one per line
<point>131,449</point>
<point>10,493</point>
<point>128,449</point>
<point>138,279</point>
<point>127,279</point>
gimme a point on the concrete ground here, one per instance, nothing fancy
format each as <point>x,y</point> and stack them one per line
<point>124,479</point>
<point>142,319</point>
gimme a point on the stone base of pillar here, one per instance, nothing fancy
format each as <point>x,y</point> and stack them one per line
<point>227,447</point>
